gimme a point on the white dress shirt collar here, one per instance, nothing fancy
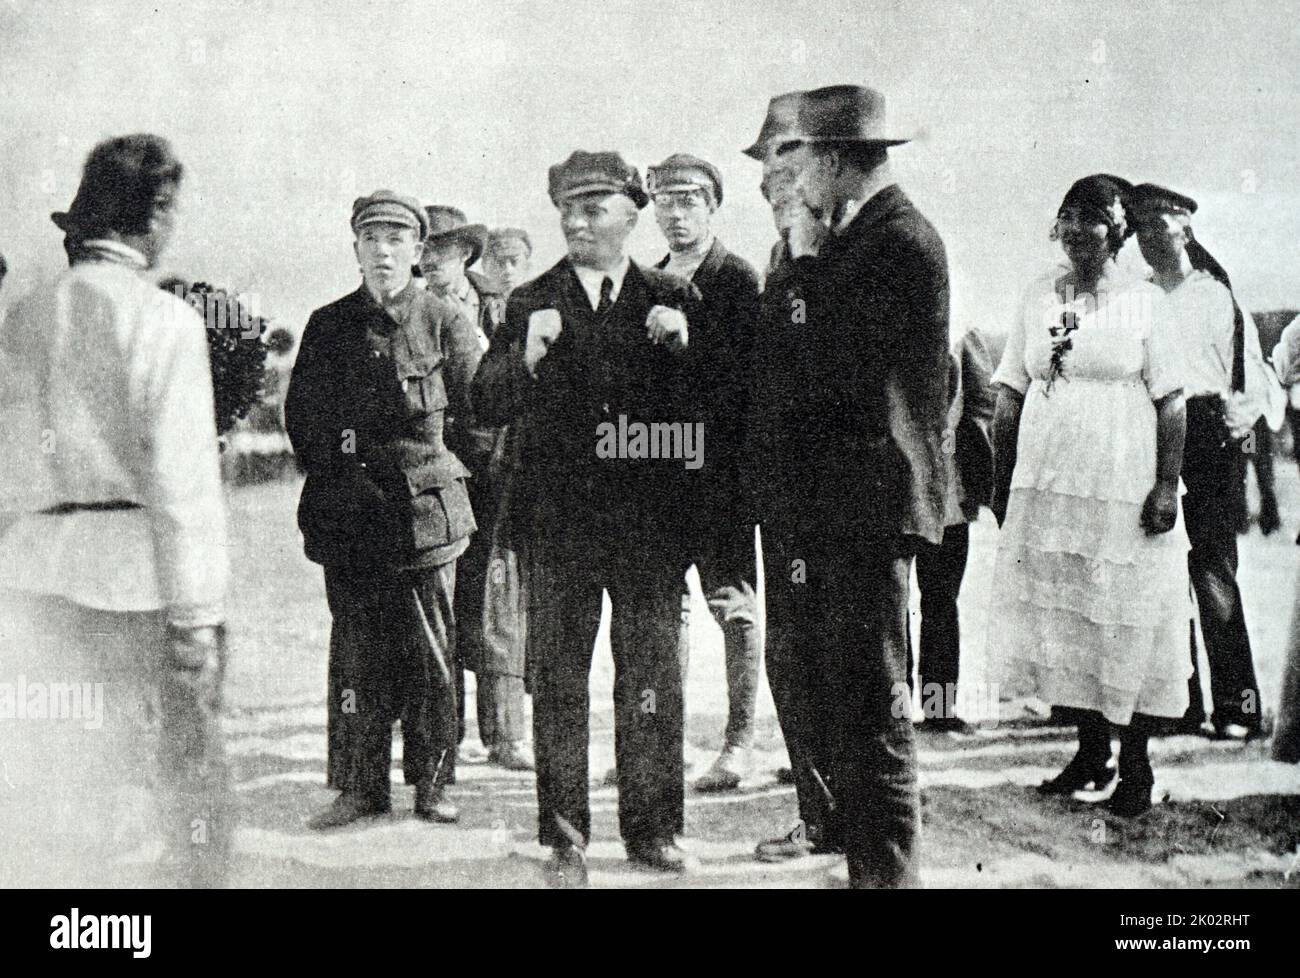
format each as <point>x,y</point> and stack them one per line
<point>592,277</point>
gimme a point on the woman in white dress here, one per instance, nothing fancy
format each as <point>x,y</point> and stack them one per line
<point>1090,602</point>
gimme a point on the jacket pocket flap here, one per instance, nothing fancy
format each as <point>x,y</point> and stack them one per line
<point>436,473</point>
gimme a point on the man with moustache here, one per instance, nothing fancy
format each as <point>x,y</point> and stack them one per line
<point>686,191</point>
<point>847,469</point>
<point>385,511</point>
<point>595,339</point>
<point>450,248</point>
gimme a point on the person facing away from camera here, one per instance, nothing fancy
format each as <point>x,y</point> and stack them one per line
<point>386,513</point>
<point>113,566</point>
<point>1089,606</point>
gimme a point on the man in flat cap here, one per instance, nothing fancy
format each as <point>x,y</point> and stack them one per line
<point>686,191</point>
<point>385,511</point>
<point>451,247</point>
<point>847,469</point>
<point>593,353</point>
<point>1225,387</point>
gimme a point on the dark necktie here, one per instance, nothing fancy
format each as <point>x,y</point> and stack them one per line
<point>606,291</point>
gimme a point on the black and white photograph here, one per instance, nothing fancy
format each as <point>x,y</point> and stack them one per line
<point>624,445</point>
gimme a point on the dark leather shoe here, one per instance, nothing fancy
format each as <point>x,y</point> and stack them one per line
<point>567,868</point>
<point>432,806</point>
<point>1130,799</point>
<point>344,810</point>
<point>1079,775</point>
<point>667,857</point>
<point>796,844</point>
<point>784,775</point>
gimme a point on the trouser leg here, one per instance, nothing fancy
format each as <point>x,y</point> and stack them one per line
<point>501,710</point>
<point>939,572</point>
<point>873,751</point>
<point>564,616</point>
<point>648,700</point>
<point>431,703</point>
<point>1212,471</point>
<point>795,645</point>
<point>727,578</point>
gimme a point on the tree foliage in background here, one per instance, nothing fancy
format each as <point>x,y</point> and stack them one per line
<point>236,350</point>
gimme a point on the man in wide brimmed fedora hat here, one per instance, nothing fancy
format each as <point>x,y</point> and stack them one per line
<point>600,343</point>
<point>385,511</point>
<point>852,345</point>
<point>451,246</point>
<point>686,192</point>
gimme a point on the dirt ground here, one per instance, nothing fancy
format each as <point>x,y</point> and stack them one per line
<point>1231,817</point>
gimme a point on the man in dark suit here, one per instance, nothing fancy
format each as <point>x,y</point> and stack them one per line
<point>848,471</point>
<point>385,511</point>
<point>593,349</point>
<point>451,247</point>
<point>686,191</point>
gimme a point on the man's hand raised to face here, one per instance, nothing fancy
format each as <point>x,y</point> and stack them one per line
<point>667,326</point>
<point>543,328</point>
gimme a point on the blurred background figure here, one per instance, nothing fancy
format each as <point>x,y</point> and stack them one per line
<point>450,248</point>
<point>941,567</point>
<point>1286,741</point>
<point>113,566</point>
<point>508,258</point>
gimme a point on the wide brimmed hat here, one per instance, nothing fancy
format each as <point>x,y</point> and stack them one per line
<point>448,224</point>
<point>782,119</point>
<point>595,173</point>
<point>834,114</point>
<point>1152,194</point>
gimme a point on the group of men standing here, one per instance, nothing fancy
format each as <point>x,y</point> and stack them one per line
<point>421,415</point>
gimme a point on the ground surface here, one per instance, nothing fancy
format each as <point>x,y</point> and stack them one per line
<point>1232,817</point>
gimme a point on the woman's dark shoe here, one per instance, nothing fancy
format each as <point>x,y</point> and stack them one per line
<point>1130,798</point>
<point>1080,774</point>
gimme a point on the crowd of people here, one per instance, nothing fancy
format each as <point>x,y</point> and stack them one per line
<point>447,422</point>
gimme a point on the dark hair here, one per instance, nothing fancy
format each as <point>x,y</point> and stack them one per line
<point>125,182</point>
<point>861,156</point>
<point>4,267</point>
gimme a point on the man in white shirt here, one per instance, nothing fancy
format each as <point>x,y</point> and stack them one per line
<point>115,556</point>
<point>1221,355</point>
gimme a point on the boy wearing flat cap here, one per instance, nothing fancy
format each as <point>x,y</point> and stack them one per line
<point>385,511</point>
<point>686,191</point>
<point>595,342</point>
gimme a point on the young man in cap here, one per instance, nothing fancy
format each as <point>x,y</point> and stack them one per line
<point>686,191</point>
<point>1225,393</point>
<point>847,469</point>
<point>596,344</point>
<point>451,247</point>
<point>113,555</point>
<point>508,258</point>
<point>385,511</point>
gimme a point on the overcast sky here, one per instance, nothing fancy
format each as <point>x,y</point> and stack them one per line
<point>284,111</point>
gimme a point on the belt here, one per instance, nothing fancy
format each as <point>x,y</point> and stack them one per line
<point>63,509</point>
